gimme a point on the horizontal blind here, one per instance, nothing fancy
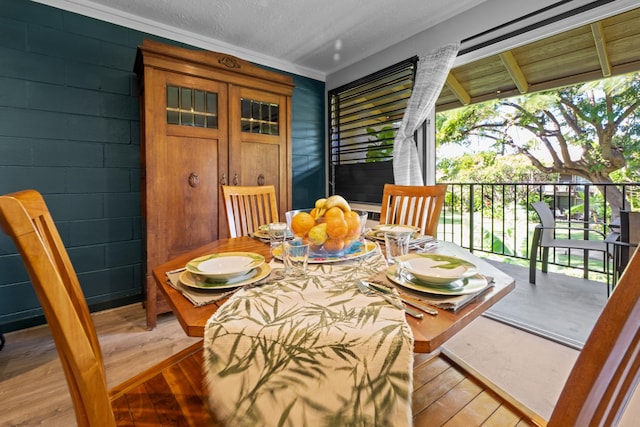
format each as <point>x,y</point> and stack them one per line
<point>365,115</point>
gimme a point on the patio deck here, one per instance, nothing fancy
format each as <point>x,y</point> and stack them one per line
<point>559,307</point>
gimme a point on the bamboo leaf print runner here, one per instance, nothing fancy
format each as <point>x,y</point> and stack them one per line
<point>310,351</point>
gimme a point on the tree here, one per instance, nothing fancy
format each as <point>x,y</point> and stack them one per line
<point>600,119</point>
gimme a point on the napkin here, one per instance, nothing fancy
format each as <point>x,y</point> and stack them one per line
<point>197,297</point>
<point>445,302</point>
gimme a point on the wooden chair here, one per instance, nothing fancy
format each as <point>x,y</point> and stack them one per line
<point>172,389</point>
<point>419,206</point>
<point>598,388</point>
<point>249,207</point>
<point>544,237</point>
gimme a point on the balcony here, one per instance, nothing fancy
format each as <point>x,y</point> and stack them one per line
<point>496,220</point>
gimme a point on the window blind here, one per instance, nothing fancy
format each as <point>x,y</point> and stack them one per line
<point>364,117</point>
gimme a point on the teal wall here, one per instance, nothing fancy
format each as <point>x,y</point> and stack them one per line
<point>69,128</point>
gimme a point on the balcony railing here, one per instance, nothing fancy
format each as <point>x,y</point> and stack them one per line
<point>497,219</point>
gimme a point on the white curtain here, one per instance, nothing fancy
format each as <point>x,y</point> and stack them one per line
<point>431,73</point>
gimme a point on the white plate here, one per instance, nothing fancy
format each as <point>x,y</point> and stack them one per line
<point>379,231</point>
<point>437,268</point>
<point>254,275</point>
<point>356,251</point>
<point>464,286</point>
<point>225,265</point>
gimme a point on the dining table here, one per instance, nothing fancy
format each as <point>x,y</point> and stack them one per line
<point>429,332</point>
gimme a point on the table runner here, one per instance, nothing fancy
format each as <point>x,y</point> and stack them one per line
<point>310,351</point>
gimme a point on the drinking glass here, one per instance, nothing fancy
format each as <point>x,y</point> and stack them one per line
<point>295,257</point>
<point>396,244</point>
<point>277,234</point>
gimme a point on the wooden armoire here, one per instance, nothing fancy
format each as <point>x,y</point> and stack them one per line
<point>206,119</point>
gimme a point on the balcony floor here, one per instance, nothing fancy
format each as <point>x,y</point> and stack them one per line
<point>558,307</point>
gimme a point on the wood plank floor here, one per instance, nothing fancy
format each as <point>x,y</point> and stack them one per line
<point>33,390</point>
<point>448,394</point>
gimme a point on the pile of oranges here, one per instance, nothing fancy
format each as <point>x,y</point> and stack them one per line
<point>331,229</point>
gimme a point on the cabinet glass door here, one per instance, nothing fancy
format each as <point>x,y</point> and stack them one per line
<point>192,107</point>
<point>259,117</point>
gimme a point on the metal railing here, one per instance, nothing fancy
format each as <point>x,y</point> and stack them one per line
<point>497,218</point>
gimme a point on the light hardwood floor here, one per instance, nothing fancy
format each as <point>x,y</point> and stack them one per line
<point>33,390</point>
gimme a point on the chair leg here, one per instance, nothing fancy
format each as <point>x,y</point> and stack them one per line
<point>545,260</point>
<point>533,255</point>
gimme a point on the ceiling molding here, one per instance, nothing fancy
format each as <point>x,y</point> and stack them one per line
<point>598,37</point>
<point>514,71</point>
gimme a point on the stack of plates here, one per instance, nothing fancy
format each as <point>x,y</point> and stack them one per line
<point>435,273</point>
<point>379,231</point>
<point>262,233</point>
<point>225,270</point>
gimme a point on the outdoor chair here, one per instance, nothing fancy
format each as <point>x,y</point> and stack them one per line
<point>628,238</point>
<point>172,389</point>
<point>416,205</point>
<point>544,237</point>
<point>249,207</point>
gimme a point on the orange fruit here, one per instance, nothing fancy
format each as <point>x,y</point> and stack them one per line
<point>353,223</point>
<point>334,245</point>
<point>301,223</point>
<point>334,212</point>
<point>337,228</point>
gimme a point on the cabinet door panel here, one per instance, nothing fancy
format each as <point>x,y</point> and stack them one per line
<point>192,193</point>
<point>260,161</point>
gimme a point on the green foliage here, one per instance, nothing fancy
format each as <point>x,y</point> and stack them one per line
<point>596,207</point>
<point>496,244</point>
<point>380,146</point>
<point>580,130</point>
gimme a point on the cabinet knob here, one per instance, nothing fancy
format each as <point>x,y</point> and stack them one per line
<point>194,180</point>
<point>235,179</point>
<point>223,181</point>
<point>260,179</point>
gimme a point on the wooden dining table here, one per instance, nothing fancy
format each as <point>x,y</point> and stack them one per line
<point>429,333</point>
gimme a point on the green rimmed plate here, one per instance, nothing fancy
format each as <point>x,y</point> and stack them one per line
<point>379,231</point>
<point>468,285</point>
<point>437,269</point>
<point>224,265</point>
<point>252,276</point>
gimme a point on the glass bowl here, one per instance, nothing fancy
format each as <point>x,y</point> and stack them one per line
<point>331,234</point>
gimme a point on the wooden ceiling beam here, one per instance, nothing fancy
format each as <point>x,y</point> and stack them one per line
<point>601,48</point>
<point>515,71</point>
<point>459,92</point>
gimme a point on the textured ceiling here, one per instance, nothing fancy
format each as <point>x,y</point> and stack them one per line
<point>319,35</point>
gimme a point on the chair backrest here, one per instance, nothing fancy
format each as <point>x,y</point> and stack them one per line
<point>416,205</point>
<point>249,207</point>
<point>25,217</point>
<point>607,370</point>
<point>630,227</point>
<point>547,220</point>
